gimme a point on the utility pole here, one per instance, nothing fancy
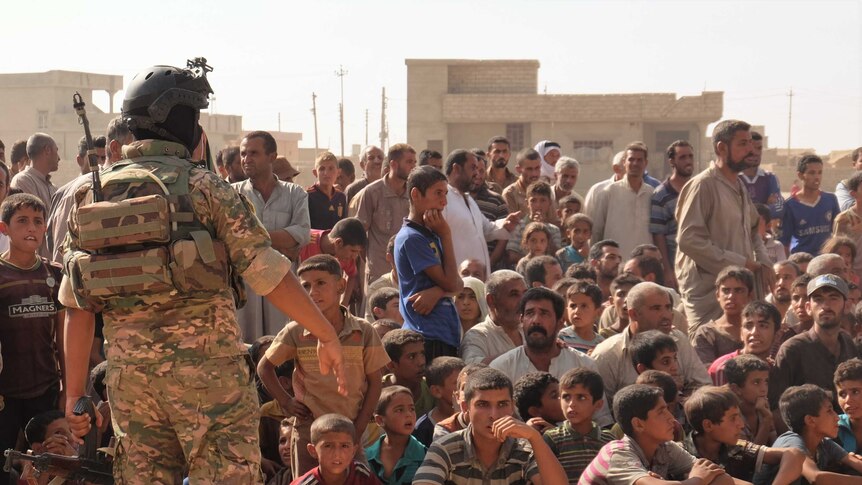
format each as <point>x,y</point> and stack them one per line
<point>789,120</point>
<point>314,112</point>
<point>341,72</point>
<point>384,133</point>
<point>366,126</point>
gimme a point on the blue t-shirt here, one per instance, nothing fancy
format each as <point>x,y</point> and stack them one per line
<point>805,227</point>
<point>417,249</point>
<point>828,456</point>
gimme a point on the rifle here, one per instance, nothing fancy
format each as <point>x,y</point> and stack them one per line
<point>78,104</point>
<point>92,466</point>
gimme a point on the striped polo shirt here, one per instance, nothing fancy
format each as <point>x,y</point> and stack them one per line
<point>575,450</point>
<point>453,460</point>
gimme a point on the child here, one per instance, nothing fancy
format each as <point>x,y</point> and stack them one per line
<point>387,280</point>
<point>396,456</point>
<point>534,242</point>
<point>848,382</point>
<point>284,475</point>
<point>760,323</point>
<point>849,222</point>
<point>716,422</point>
<point>647,450</point>
<point>774,249</point>
<point>470,303</point>
<point>748,378</point>
<point>656,350</point>
<point>326,204</point>
<point>567,207</point>
<point>459,420</point>
<point>808,215</point>
<point>47,432</point>
<point>346,241</point>
<point>31,320</point>
<point>442,379</point>
<point>619,289</point>
<point>317,394</point>
<point>384,304</point>
<point>808,411</point>
<point>734,288</point>
<point>845,247</point>
<point>538,203</point>
<point>406,350</point>
<point>578,439</point>
<point>578,230</point>
<point>798,304</point>
<point>583,307</point>
<point>426,266</point>
<point>333,445</point>
<point>494,445</point>
<point>537,399</point>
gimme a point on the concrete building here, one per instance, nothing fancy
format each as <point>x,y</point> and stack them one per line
<point>462,103</point>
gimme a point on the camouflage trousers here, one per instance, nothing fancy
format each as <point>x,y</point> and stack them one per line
<point>185,419</point>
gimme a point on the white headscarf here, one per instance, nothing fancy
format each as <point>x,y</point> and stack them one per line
<point>544,147</point>
<point>478,288</point>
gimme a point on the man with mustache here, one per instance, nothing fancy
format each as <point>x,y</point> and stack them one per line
<point>717,222</point>
<point>662,222</point>
<point>812,357</point>
<point>541,314</point>
<point>762,186</point>
<point>785,273</point>
<point>499,176</point>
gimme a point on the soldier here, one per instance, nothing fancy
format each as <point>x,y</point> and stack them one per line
<point>156,257</point>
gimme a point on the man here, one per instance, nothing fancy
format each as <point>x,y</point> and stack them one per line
<point>233,164</point>
<point>785,273</point>
<point>282,208</point>
<point>567,170</point>
<point>648,268</point>
<point>44,158</point>
<point>382,207</point>
<point>541,315</point>
<point>618,172</point>
<point>491,205</point>
<point>499,176</point>
<point>543,271</point>
<point>649,308</point>
<point>283,170</point>
<point>18,157</point>
<point>762,186</point>
<point>118,134</point>
<point>463,215</point>
<point>605,258</point>
<point>662,223</point>
<point>501,331</point>
<point>621,211</point>
<point>181,402</point>
<point>528,167</point>
<point>812,357</point>
<point>717,226</point>
<point>370,161</point>
<point>431,157</point>
<point>845,200</point>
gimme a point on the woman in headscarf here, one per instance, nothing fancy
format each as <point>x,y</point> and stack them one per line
<point>470,303</point>
<point>550,152</point>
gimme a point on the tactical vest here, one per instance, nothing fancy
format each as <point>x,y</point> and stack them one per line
<point>144,237</point>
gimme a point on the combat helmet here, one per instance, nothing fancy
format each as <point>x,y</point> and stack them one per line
<point>154,93</point>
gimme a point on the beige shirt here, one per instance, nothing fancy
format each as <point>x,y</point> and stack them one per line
<point>486,340</point>
<point>383,212</point>
<point>716,229</point>
<point>33,182</point>
<point>615,363</point>
<point>621,214</point>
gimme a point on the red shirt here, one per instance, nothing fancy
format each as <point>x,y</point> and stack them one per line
<point>313,248</point>
<point>359,475</point>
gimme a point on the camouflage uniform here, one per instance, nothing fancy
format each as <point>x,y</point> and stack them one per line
<point>182,400</point>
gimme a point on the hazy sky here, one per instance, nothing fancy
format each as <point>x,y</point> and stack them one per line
<point>270,56</point>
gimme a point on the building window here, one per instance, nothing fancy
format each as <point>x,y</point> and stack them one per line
<point>593,150</point>
<point>516,133</point>
<point>43,120</point>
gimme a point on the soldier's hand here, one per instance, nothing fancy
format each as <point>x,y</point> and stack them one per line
<point>79,425</point>
<point>332,360</point>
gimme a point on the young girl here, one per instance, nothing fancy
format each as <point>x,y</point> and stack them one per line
<point>536,241</point>
<point>470,303</point>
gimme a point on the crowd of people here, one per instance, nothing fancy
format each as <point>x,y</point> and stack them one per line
<point>494,327</point>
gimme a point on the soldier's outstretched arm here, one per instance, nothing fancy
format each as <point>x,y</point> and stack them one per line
<point>289,297</point>
<point>80,325</point>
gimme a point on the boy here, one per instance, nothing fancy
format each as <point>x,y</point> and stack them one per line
<point>615,317</point>
<point>326,204</point>
<point>656,350</point>
<point>406,351</point>
<point>578,440</point>
<point>396,456</point>
<point>716,422</point>
<point>567,207</point>
<point>316,393</point>
<point>801,320</point>
<point>537,399</point>
<point>761,322</point>
<point>333,445</point>
<point>774,249</point>
<point>647,453</point>
<point>495,446</point>
<point>31,320</point>
<point>848,382</point>
<point>808,411</point>
<point>748,378</point>
<point>384,304</point>
<point>47,432</point>
<point>807,220</point>
<point>442,379</point>
<point>459,420</point>
<point>346,241</point>
<point>583,307</point>
<point>670,392</point>
<point>578,229</point>
<point>849,222</point>
<point>426,266</point>
<point>734,288</point>
<point>538,204</point>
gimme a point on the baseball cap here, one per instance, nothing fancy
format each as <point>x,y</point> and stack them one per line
<point>828,281</point>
